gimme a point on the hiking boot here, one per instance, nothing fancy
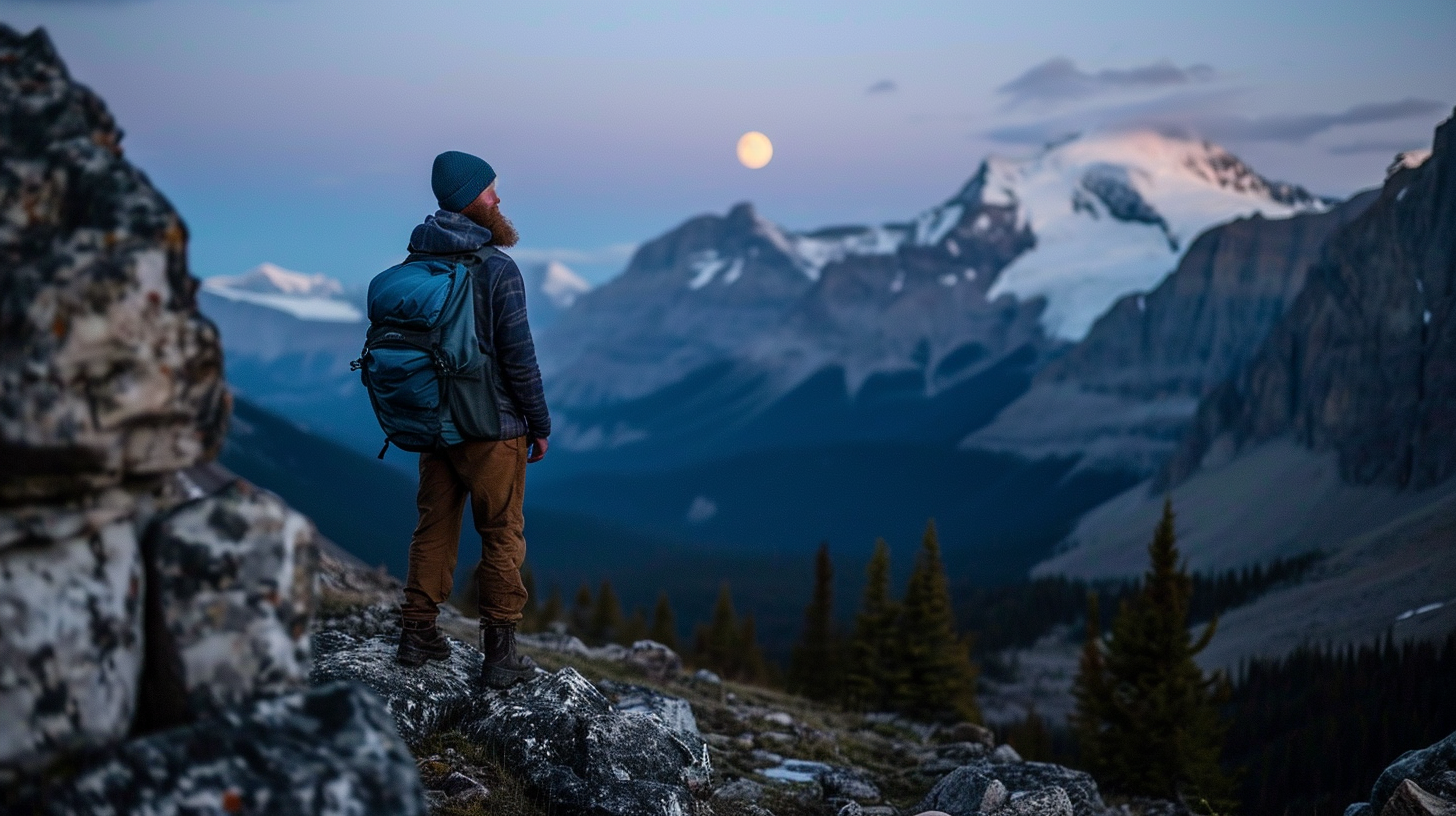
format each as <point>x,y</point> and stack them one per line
<point>420,641</point>
<point>503,667</point>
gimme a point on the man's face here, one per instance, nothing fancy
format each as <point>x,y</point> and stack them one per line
<point>488,197</point>
<point>485,211</point>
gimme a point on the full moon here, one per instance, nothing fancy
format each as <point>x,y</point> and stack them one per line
<point>754,150</point>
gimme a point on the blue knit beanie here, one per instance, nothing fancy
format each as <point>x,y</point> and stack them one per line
<point>457,178</point>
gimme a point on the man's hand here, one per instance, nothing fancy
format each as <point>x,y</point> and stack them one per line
<point>537,449</point>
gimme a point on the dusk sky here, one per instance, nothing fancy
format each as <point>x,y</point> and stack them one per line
<point>301,131</point>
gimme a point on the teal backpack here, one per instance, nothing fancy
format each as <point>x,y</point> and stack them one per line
<point>429,379</point>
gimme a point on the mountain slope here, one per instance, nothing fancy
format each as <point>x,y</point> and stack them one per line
<point>288,339</point>
<point>1338,435</point>
<point>947,294</point>
<point>363,505</point>
<point>1122,396</point>
<point>1364,363</point>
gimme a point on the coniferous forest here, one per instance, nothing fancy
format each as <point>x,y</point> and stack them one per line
<point>1301,734</point>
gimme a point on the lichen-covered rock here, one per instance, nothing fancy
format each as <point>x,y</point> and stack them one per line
<point>1411,799</point>
<point>70,642</point>
<point>231,589</point>
<point>1428,767</point>
<point>331,751</point>
<point>1044,802</point>
<point>961,792</point>
<point>673,712</point>
<point>107,371</point>
<point>654,660</point>
<point>423,700</point>
<point>562,736</point>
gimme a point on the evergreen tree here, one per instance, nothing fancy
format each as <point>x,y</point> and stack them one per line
<point>664,623</point>
<point>750,666</point>
<point>634,629</point>
<point>553,609</point>
<point>581,612</point>
<point>1090,691</point>
<point>717,645</point>
<point>814,668</point>
<point>606,616</point>
<point>940,679</point>
<point>1163,732</point>
<point>872,672</point>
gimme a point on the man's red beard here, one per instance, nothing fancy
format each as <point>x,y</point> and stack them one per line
<point>502,231</point>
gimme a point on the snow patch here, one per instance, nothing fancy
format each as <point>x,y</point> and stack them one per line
<point>1083,265</point>
<point>562,286</point>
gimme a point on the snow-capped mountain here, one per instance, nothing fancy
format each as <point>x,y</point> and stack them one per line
<point>551,288</point>
<point>306,297</point>
<point>1112,214</point>
<point>1028,250</point>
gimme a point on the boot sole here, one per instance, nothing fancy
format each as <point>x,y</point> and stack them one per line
<point>414,658</point>
<point>501,679</point>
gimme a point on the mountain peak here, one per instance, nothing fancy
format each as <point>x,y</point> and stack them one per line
<point>306,297</point>
<point>561,285</point>
<point>271,279</point>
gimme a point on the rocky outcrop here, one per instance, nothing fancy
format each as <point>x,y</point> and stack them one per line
<point>1123,396</point>
<point>70,640</point>
<point>107,371</point>
<point>1007,788</point>
<point>557,733</point>
<point>1419,783</point>
<point>231,596</point>
<point>142,594</point>
<point>314,752</point>
<point>1364,362</point>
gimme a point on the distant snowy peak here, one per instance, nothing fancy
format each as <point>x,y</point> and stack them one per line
<point>1112,213</point>
<point>267,278</point>
<point>561,285</point>
<point>306,297</point>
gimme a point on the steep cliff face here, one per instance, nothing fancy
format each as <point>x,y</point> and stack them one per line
<point>1364,363</point>
<point>107,372</point>
<point>1122,396</point>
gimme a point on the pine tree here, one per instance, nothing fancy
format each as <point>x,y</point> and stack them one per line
<point>940,679</point>
<point>814,668</point>
<point>872,671</point>
<point>664,623</point>
<point>581,612</point>
<point>1090,691</point>
<point>1163,731</point>
<point>750,666</point>
<point>606,616</point>
<point>717,643</point>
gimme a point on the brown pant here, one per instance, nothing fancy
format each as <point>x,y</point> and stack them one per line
<point>493,474</point>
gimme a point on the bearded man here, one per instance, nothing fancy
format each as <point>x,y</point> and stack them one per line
<point>491,472</point>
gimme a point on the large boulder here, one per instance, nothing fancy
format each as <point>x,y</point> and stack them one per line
<point>107,371</point>
<point>962,791</point>
<point>331,751</point>
<point>562,736</point>
<point>230,601</point>
<point>70,637</point>
<point>1432,768</point>
<point>423,701</point>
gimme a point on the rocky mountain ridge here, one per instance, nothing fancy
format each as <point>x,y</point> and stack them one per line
<point>1364,363</point>
<point>1123,396</point>
<point>925,295</point>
